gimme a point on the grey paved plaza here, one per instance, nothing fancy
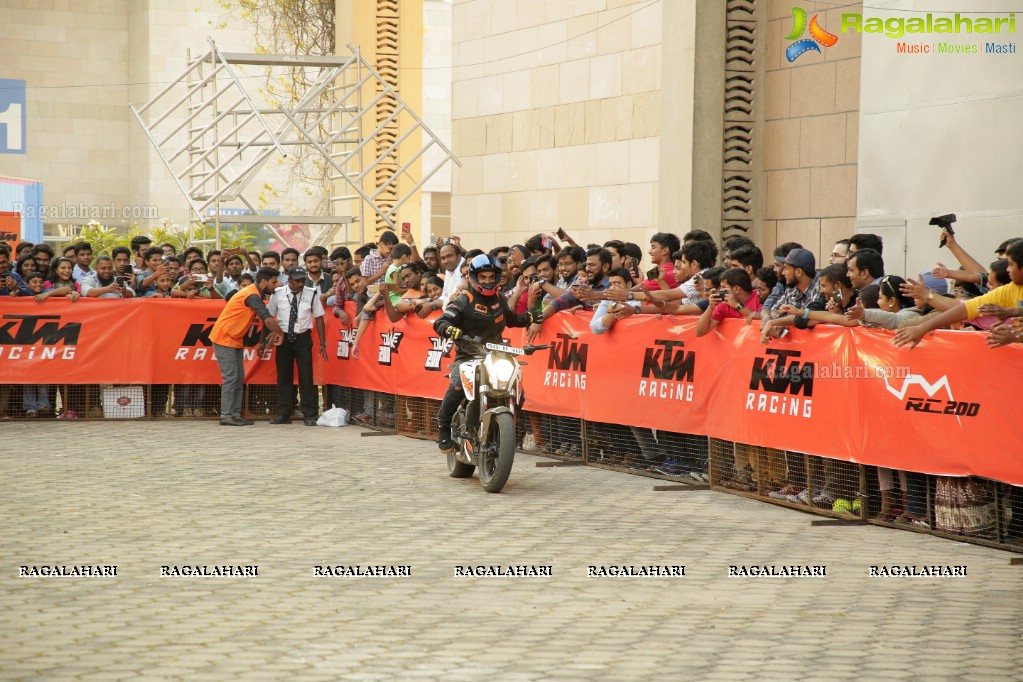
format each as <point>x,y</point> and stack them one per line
<point>145,495</point>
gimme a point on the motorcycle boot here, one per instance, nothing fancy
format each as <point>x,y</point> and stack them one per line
<point>444,442</point>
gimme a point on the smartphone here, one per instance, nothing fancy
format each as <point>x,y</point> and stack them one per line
<point>561,233</point>
<point>406,228</point>
<point>548,244</point>
<point>373,288</point>
<point>836,296</point>
<point>121,281</point>
<point>201,278</point>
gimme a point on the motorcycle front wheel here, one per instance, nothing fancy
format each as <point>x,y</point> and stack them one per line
<point>498,453</point>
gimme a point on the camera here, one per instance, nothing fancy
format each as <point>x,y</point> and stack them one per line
<point>533,279</point>
<point>329,266</point>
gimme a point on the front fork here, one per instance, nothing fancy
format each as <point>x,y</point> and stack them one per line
<point>501,406</point>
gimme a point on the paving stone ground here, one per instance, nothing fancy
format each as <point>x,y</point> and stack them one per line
<point>287,498</point>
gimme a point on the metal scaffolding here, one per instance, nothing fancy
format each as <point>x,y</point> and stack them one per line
<point>214,138</point>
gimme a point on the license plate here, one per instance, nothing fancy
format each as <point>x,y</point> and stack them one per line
<point>510,350</point>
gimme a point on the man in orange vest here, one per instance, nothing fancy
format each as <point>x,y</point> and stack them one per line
<point>227,336</point>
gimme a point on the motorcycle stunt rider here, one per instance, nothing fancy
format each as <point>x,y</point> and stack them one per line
<point>480,311</point>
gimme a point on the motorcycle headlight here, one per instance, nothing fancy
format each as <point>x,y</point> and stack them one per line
<point>501,372</point>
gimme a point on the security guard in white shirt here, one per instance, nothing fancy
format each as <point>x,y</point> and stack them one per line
<point>296,308</point>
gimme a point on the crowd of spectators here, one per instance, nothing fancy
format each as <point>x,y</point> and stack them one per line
<point>550,273</point>
<point>695,275</point>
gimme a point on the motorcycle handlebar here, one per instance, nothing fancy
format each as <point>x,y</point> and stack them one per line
<point>529,350</point>
<point>532,349</point>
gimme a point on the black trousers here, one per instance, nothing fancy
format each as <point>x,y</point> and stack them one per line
<point>452,399</point>
<point>289,354</point>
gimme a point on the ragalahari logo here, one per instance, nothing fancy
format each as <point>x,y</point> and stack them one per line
<point>818,36</point>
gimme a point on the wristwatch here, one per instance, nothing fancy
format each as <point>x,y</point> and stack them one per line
<point>739,307</point>
<point>630,296</point>
<point>930,295</point>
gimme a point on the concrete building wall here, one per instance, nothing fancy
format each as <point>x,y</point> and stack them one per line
<point>811,114</point>
<point>83,63</point>
<point>437,116</point>
<point>557,119</point>
<point>74,59</point>
<point>939,134</point>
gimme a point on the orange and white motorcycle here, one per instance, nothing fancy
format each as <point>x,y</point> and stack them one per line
<point>483,427</point>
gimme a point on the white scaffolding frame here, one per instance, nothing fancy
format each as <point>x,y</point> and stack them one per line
<point>214,138</point>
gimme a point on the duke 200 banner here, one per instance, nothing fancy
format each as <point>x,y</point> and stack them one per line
<point>946,407</point>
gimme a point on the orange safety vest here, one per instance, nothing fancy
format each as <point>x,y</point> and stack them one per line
<point>235,319</point>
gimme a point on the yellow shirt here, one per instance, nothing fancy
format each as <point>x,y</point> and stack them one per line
<point>1007,296</point>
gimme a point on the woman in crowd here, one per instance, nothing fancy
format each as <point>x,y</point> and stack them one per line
<point>60,281</point>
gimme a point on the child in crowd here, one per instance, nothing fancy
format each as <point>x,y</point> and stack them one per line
<point>35,398</point>
<point>164,284</point>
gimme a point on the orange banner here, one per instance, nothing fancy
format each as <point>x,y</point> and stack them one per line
<point>152,341</point>
<point>10,230</point>
<point>833,391</point>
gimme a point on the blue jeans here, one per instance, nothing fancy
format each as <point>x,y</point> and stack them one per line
<point>35,398</point>
<point>232,372</point>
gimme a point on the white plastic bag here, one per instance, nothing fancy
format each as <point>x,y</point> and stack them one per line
<point>335,416</point>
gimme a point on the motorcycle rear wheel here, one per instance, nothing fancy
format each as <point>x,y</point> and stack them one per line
<point>458,469</point>
<point>498,454</point>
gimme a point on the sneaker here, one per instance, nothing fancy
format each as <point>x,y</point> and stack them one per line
<point>700,476</point>
<point>529,443</point>
<point>784,492</point>
<point>362,418</point>
<point>825,499</point>
<point>671,467</point>
<point>799,498</point>
<point>31,414</point>
<point>69,414</point>
<point>444,442</point>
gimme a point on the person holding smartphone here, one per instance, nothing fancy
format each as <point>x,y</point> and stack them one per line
<point>835,298</point>
<point>103,283</point>
<point>735,299</point>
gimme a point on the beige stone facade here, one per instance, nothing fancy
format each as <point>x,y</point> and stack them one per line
<point>810,133</point>
<point>583,115</point>
<point>556,118</point>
